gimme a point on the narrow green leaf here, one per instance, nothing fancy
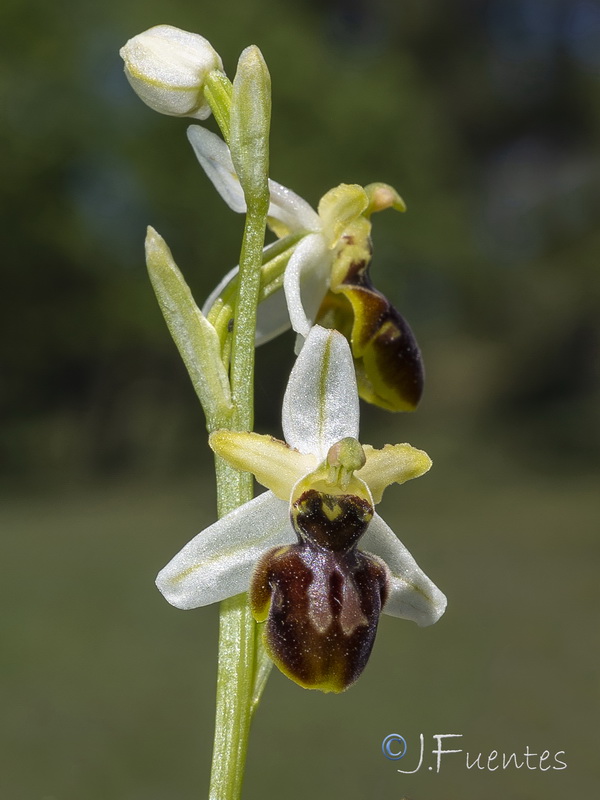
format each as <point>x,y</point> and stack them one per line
<point>195,337</point>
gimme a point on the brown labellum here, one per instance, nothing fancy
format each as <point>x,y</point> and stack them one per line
<point>388,363</point>
<point>322,597</point>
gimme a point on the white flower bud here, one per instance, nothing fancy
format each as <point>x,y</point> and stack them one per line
<point>167,68</point>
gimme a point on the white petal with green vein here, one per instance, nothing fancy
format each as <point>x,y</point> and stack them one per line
<point>219,561</point>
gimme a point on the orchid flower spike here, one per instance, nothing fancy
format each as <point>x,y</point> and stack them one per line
<point>319,563</point>
<point>167,68</point>
<point>327,278</point>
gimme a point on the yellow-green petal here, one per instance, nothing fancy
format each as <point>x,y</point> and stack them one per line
<point>382,196</point>
<point>339,207</point>
<point>395,463</point>
<point>274,464</point>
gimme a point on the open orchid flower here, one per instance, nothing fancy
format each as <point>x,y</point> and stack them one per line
<point>319,563</point>
<point>327,278</point>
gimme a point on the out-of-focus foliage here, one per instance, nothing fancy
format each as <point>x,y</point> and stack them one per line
<point>484,115</point>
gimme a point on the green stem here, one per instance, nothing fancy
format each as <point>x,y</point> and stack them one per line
<point>274,261</point>
<point>242,111</point>
<point>239,654</point>
<point>235,684</point>
<point>244,325</point>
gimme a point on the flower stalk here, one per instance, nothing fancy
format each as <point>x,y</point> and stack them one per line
<point>240,651</point>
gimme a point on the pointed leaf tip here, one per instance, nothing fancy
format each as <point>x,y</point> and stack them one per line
<point>196,339</point>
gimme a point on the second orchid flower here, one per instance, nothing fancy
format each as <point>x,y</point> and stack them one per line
<point>327,278</point>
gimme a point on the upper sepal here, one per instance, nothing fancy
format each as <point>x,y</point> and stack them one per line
<point>320,405</point>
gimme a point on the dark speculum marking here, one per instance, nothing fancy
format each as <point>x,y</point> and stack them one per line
<point>321,598</point>
<point>333,522</point>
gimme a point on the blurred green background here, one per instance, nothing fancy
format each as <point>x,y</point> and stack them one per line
<point>485,116</point>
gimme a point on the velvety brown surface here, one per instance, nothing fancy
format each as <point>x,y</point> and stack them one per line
<point>322,597</point>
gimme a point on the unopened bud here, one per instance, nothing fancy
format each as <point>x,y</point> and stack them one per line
<point>167,68</point>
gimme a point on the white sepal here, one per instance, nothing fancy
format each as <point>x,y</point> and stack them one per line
<point>218,290</point>
<point>305,281</point>
<point>272,318</point>
<point>291,209</point>
<point>412,595</point>
<point>219,561</point>
<point>320,405</point>
<point>215,159</point>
